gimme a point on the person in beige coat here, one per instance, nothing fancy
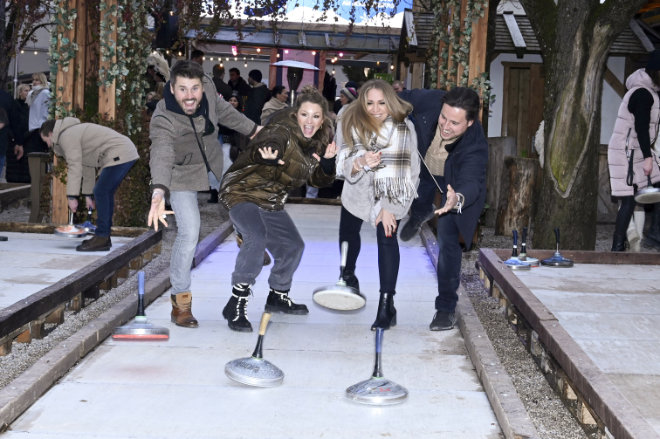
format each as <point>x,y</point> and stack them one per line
<point>89,148</point>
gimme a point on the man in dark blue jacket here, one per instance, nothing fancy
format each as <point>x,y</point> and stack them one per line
<point>455,150</point>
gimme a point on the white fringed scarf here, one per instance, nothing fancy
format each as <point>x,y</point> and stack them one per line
<point>392,178</point>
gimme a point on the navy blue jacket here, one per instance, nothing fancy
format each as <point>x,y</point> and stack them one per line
<point>465,168</point>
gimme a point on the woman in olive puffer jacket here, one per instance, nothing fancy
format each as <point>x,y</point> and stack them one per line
<point>292,150</point>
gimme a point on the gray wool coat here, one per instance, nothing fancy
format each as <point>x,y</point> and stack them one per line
<point>176,161</point>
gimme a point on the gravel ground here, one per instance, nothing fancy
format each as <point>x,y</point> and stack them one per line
<point>550,417</point>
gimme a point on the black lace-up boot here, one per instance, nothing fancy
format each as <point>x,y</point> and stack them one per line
<point>279,301</point>
<point>386,315</point>
<point>235,310</point>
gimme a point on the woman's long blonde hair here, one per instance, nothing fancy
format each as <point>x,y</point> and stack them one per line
<point>356,117</point>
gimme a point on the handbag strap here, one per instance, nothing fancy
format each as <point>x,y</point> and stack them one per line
<point>201,149</point>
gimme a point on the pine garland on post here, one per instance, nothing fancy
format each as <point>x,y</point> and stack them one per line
<point>449,49</point>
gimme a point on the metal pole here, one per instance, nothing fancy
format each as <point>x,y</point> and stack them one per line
<point>15,75</point>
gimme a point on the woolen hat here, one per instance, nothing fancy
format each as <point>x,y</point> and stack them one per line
<point>654,60</point>
<point>350,93</point>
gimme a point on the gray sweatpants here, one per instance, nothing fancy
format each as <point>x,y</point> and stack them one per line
<point>264,229</point>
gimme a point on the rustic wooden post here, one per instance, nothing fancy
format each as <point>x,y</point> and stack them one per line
<point>65,89</point>
<point>498,149</point>
<point>477,60</point>
<point>322,71</point>
<point>107,93</point>
<point>517,194</point>
<point>272,71</point>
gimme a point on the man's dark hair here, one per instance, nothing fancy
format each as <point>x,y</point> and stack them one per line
<point>196,54</point>
<point>186,69</point>
<point>464,98</point>
<point>277,90</point>
<point>218,71</point>
<point>235,70</point>
<point>255,75</point>
<point>47,127</point>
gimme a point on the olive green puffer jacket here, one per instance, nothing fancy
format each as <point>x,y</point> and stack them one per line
<point>253,179</point>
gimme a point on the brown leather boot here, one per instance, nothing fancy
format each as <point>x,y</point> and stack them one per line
<point>182,310</point>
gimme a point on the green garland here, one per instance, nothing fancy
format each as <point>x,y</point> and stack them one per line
<point>62,52</point>
<point>124,45</point>
<point>448,34</point>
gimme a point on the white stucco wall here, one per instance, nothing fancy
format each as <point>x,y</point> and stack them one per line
<point>610,100</point>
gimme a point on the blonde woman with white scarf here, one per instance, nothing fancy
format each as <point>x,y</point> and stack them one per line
<point>380,166</point>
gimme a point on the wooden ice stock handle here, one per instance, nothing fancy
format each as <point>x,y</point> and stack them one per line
<point>265,318</point>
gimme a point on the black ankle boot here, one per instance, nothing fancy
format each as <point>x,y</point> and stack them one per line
<point>279,301</point>
<point>386,315</point>
<point>618,243</point>
<point>653,235</point>
<point>235,310</point>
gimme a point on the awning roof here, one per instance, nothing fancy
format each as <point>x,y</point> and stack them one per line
<point>363,39</point>
<point>513,34</point>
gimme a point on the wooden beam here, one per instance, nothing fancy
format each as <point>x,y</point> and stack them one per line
<point>322,71</point>
<point>65,92</point>
<point>614,82</point>
<point>272,70</point>
<point>478,44</point>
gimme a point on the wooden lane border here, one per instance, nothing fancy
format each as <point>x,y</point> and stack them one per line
<point>27,388</point>
<point>502,395</point>
<point>30,312</point>
<point>588,393</point>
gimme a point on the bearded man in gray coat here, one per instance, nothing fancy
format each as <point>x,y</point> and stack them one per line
<point>184,149</point>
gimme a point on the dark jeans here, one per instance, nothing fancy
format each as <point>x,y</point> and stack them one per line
<point>265,229</point>
<point>422,206</point>
<point>388,249</point>
<point>624,215</point>
<point>104,195</point>
<point>449,263</point>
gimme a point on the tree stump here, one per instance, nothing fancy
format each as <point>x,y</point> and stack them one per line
<point>498,149</point>
<point>516,194</point>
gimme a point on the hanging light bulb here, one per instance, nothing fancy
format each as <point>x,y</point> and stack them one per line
<point>313,52</point>
<point>35,52</point>
<point>258,49</point>
<point>245,65</point>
